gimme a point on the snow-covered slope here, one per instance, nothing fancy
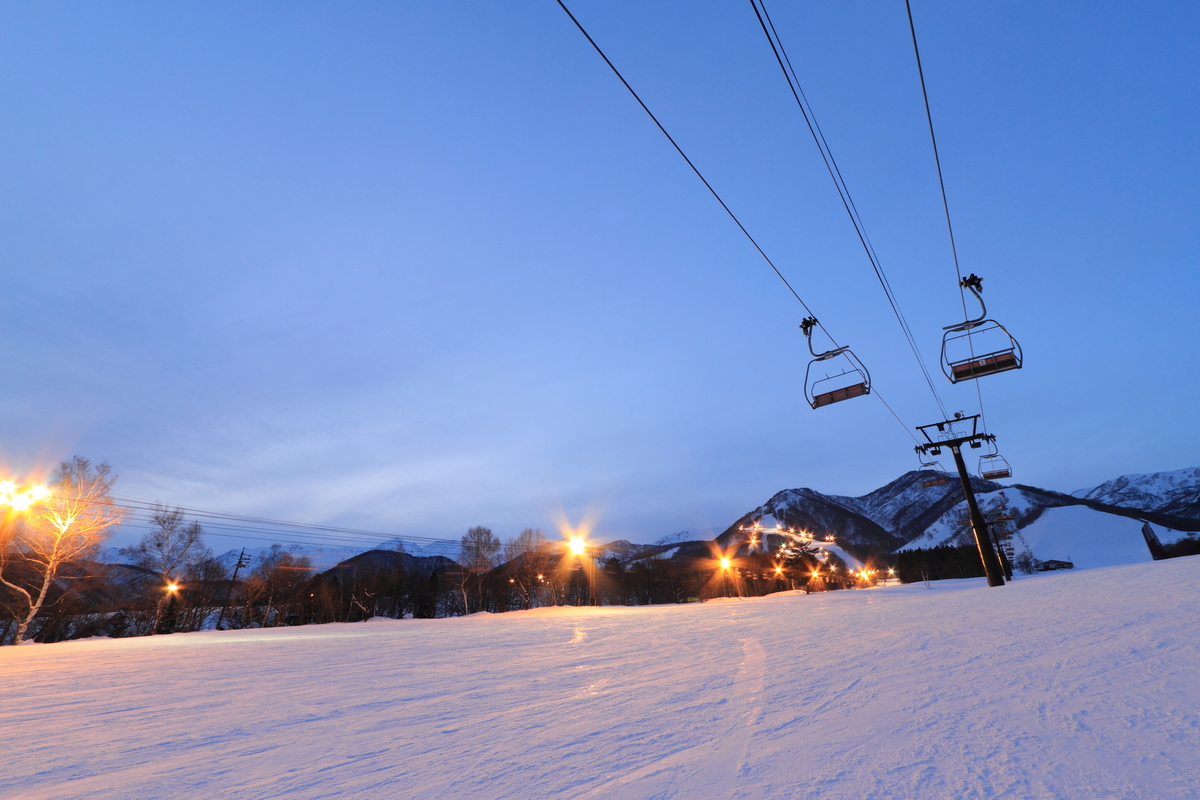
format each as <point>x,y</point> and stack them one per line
<point>1086,537</point>
<point>905,506</point>
<point>1176,492</point>
<point>1073,685</point>
<point>952,528</point>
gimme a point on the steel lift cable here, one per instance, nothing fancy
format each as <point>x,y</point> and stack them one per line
<point>835,174</point>
<point>708,186</point>
<point>942,185</point>
<point>703,180</point>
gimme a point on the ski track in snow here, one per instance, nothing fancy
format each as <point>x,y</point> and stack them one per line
<point>1071,685</point>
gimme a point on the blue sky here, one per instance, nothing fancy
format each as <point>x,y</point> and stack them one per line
<point>413,267</point>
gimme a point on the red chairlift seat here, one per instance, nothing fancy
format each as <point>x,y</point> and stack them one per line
<point>990,364</point>
<point>838,395</point>
<point>940,476</point>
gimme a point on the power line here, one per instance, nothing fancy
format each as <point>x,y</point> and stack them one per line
<point>141,516</point>
<point>143,505</point>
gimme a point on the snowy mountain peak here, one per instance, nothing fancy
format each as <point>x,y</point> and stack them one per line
<point>1176,492</point>
<point>679,537</point>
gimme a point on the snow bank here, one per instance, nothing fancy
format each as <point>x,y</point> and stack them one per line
<point>1074,685</point>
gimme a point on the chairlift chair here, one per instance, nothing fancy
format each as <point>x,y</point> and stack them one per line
<point>929,463</point>
<point>940,479</point>
<point>979,346</point>
<point>994,467</point>
<point>852,381</point>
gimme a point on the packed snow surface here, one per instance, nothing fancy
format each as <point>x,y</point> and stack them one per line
<point>1067,685</point>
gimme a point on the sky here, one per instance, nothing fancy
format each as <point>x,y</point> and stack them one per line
<point>413,267</point>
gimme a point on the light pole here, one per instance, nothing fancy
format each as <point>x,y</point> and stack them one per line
<point>165,604</point>
<point>578,548</point>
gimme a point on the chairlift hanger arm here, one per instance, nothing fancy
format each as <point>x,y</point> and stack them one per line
<point>975,284</point>
<point>807,325</point>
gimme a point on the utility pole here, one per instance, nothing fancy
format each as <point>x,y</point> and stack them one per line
<point>242,561</point>
<point>947,436</point>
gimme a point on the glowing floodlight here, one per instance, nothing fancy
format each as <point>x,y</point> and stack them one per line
<point>12,496</point>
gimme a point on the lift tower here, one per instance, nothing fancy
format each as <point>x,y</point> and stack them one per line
<point>951,433</point>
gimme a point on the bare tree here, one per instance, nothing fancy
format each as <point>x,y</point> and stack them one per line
<point>1025,562</point>
<point>275,584</point>
<point>527,542</point>
<point>169,549</point>
<point>529,557</point>
<point>170,546</point>
<point>478,550</point>
<point>64,527</point>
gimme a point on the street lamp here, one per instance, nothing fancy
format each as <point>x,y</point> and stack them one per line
<point>726,564</point>
<point>19,499</point>
<point>577,546</point>
<point>171,591</point>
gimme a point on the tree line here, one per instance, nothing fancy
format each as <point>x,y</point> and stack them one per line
<point>52,587</point>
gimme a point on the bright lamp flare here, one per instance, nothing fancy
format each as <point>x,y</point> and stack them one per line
<point>12,496</point>
<point>725,563</point>
<point>577,545</point>
<point>174,587</point>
